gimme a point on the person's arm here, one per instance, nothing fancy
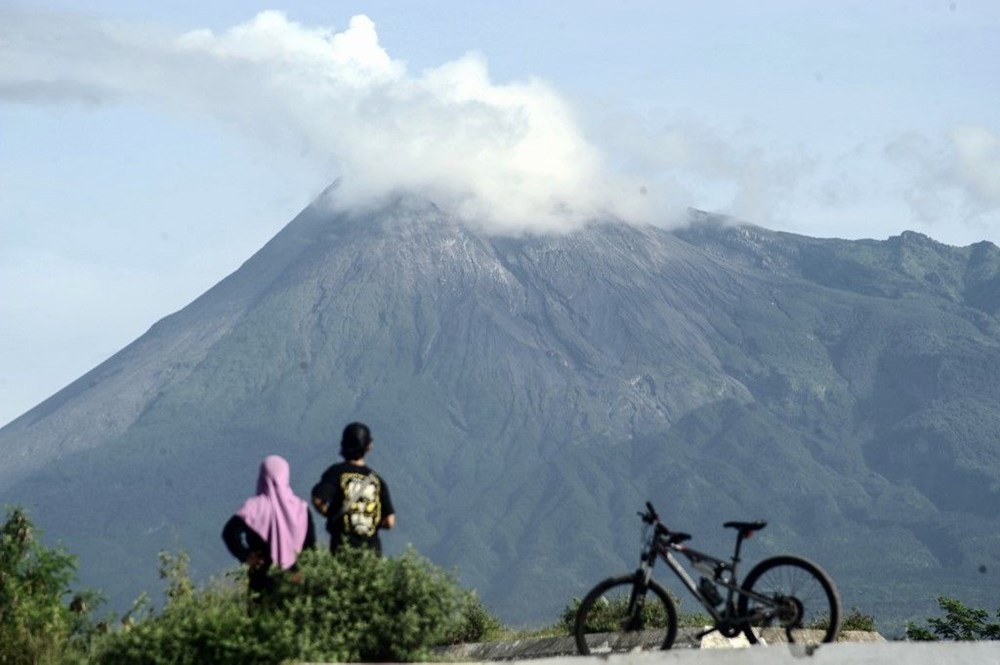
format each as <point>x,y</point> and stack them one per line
<point>233,535</point>
<point>321,497</point>
<point>238,538</point>
<point>310,541</point>
<point>388,512</point>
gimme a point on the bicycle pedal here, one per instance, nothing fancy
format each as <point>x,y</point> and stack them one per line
<point>707,631</point>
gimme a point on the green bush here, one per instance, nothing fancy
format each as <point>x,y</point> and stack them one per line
<point>477,624</point>
<point>39,623</point>
<point>959,623</point>
<point>857,620</point>
<point>358,606</point>
<point>606,617</point>
<point>355,606</point>
<point>195,626</point>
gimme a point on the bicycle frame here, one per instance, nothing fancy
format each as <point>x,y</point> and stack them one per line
<point>720,572</point>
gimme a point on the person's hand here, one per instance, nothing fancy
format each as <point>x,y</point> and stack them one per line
<point>256,561</point>
<point>321,505</point>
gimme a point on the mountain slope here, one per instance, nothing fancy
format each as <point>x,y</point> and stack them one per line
<point>527,395</point>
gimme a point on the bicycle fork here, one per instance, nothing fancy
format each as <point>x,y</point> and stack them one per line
<point>637,597</point>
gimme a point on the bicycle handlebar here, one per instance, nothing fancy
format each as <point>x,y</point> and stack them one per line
<point>650,516</point>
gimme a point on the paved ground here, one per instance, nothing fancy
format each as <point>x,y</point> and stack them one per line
<point>854,653</point>
<point>601,643</point>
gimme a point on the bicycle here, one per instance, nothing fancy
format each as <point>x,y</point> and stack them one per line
<point>788,590</point>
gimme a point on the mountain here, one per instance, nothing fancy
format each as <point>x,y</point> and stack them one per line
<point>528,394</point>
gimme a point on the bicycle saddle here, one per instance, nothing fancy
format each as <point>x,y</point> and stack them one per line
<point>746,526</point>
<point>677,537</point>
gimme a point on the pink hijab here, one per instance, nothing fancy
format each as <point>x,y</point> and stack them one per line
<point>276,514</point>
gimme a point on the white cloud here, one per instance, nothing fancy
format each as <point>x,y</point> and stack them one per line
<point>956,177</point>
<point>510,156</point>
<point>52,92</point>
<point>689,160</point>
<point>977,152</point>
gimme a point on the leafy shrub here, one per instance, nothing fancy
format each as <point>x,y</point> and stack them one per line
<point>959,623</point>
<point>606,617</point>
<point>359,606</point>
<point>37,624</point>
<point>857,620</point>
<point>693,619</point>
<point>195,626</point>
<point>476,623</point>
<point>354,606</point>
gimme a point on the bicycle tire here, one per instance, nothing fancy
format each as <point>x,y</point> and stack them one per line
<point>630,636</point>
<point>814,606</point>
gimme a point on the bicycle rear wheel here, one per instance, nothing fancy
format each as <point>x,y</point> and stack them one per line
<point>802,601</point>
<point>621,614</point>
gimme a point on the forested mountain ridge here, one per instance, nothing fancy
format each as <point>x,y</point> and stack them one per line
<point>528,394</point>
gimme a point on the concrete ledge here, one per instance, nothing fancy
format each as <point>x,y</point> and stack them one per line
<point>843,653</point>
<point>545,647</point>
<point>605,643</point>
<point>778,635</point>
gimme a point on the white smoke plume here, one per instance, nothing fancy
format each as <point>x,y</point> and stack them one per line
<point>977,153</point>
<point>957,177</point>
<point>509,156</point>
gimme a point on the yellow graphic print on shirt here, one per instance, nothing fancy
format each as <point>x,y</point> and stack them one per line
<point>362,508</point>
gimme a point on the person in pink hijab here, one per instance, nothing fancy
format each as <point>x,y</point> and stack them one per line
<point>272,527</point>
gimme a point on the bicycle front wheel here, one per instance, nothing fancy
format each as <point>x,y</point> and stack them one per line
<point>798,597</point>
<point>621,614</point>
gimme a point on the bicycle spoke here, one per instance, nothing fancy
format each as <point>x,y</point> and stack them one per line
<point>612,619</point>
<point>801,601</point>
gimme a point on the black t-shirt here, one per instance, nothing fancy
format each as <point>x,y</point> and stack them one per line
<point>358,500</point>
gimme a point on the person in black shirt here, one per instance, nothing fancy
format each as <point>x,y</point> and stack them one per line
<point>271,528</point>
<point>353,498</point>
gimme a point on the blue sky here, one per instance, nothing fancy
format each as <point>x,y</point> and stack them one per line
<point>147,149</point>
